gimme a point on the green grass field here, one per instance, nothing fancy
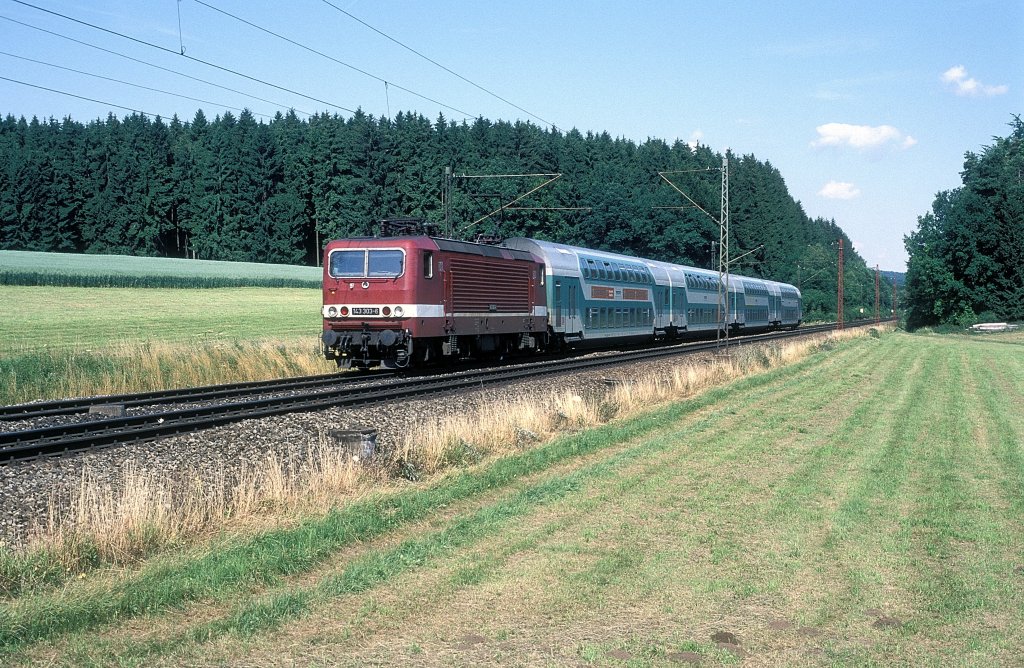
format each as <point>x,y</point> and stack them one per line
<point>89,318</point>
<point>862,507</point>
<point>58,342</point>
<point>75,325</point>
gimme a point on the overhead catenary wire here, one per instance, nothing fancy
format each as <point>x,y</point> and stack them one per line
<point>552,177</point>
<point>434,62</point>
<point>181,42</point>
<point>333,59</point>
<point>82,97</point>
<point>127,83</point>
<point>182,55</point>
<point>688,198</point>
<point>155,66</point>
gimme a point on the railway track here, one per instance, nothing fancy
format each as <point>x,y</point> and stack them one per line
<point>183,395</point>
<point>237,402</point>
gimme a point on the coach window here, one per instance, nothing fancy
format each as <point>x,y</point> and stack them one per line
<point>428,264</point>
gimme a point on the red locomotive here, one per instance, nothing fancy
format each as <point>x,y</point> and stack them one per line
<point>396,301</point>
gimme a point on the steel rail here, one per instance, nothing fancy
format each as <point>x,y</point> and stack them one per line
<point>177,396</point>
<point>65,439</point>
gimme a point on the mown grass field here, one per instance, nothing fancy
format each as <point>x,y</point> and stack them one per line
<point>861,507</point>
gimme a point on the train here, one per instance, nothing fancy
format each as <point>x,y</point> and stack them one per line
<point>416,299</point>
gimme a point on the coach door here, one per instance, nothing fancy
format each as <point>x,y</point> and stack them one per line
<point>559,306</point>
<point>572,320</point>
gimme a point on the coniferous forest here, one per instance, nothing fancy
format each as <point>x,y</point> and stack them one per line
<point>234,188</point>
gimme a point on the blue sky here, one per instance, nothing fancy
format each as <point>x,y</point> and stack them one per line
<point>866,108</point>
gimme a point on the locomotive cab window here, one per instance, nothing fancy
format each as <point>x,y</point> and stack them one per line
<point>385,263</point>
<point>367,263</point>
<point>348,263</point>
<point>428,264</point>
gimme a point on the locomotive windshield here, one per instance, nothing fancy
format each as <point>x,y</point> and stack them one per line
<point>367,263</point>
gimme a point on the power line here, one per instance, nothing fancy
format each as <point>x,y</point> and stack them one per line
<point>82,97</point>
<point>332,58</point>
<point>126,83</point>
<point>192,58</point>
<point>153,65</point>
<point>431,60</point>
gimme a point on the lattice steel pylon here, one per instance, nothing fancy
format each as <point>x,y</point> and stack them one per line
<point>723,258</point>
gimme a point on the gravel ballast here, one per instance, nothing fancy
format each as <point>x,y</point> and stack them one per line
<point>28,490</point>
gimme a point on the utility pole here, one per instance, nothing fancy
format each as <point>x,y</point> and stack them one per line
<point>894,300</point>
<point>446,201</point>
<point>839,297</point>
<point>878,317</point>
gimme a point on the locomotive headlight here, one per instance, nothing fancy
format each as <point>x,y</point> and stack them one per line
<point>343,311</point>
<point>332,311</point>
<point>399,311</point>
<point>386,311</point>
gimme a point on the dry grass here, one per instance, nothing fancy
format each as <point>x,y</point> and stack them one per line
<point>130,366</point>
<point>150,511</point>
<point>500,428</point>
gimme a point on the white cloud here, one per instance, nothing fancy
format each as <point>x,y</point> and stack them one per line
<point>965,85</point>
<point>839,190</point>
<point>860,136</point>
<point>695,138</point>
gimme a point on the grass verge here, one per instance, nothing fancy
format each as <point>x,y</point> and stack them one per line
<point>262,560</point>
<point>857,511</point>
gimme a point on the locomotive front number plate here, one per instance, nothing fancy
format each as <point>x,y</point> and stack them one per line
<point>366,311</point>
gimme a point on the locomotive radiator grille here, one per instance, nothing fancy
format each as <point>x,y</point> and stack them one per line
<point>479,286</point>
